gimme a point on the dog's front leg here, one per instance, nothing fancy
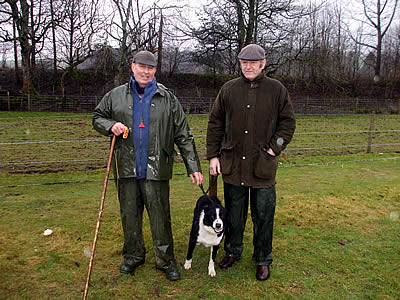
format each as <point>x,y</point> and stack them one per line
<point>211,264</point>
<point>188,262</point>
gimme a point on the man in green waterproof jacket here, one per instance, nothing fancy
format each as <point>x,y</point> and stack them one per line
<point>143,162</point>
<point>250,124</point>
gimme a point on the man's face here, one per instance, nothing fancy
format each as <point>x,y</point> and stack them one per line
<point>252,68</point>
<point>143,73</point>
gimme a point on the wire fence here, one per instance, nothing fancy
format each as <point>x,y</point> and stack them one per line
<point>197,105</point>
<point>45,143</point>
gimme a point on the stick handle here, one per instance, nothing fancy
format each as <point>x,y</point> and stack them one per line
<point>99,217</point>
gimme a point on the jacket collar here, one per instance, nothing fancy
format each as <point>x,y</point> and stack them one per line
<point>160,88</point>
<point>255,80</point>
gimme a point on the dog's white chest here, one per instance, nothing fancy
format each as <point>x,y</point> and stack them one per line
<point>207,236</point>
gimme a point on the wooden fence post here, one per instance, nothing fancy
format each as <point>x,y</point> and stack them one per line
<point>306,105</point>
<point>356,106</point>
<point>8,99</point>
<point>371,129</point>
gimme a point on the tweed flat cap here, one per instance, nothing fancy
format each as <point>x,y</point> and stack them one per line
<point>146,58</point>
<point>252,52</point>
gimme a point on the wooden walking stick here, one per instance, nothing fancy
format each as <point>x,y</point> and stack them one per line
<point>103,196</point>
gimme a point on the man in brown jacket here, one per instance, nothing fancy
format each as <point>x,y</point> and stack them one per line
<point>250,124</point>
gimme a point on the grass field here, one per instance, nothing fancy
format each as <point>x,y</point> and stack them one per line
<point>337,233</point>
<point>336,236</point>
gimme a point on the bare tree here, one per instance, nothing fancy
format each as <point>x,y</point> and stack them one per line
<point>119,31</point>
<point>30,21</point>
<point>40,22</point>
<point>19,12</point>
<point>57,16</point>
<point>236,23</point>
<point>136,27</point>
<point>379,16</point>
<point>160,43</point>
<point>173,57</point>
<point>4,49</point>
<point>8,34</point>
<point>132,29</point>
<point>77,33</point>
<point>214,38</point>
<point>217,37</point>
<point>391,54</point>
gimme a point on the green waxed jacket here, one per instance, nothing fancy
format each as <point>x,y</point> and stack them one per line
<point>168,126</point>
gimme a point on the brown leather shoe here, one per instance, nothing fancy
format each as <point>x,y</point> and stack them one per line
<point>228,262</point>
<point>262,272</point>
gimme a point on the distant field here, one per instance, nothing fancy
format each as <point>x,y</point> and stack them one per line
<point>48,142</point>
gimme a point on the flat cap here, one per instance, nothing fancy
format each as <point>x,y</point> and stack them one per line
<point>146,58</point>
<point>252,52</point>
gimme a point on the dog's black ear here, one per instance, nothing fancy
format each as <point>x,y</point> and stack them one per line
<point>206,200</point>
<point>201,203</point>
<point>214,200</point>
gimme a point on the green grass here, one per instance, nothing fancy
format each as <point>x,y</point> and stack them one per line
<point>336,233</point>
<point>333,239</point>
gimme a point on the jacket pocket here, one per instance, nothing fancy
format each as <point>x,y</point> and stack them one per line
<point>166,161</point>
<point>168,156</point>
<point>226,159</point>
<point>266,165</point>
<point>124,161</point>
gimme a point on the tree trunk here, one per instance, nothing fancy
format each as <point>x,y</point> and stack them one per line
<point>21,19</point>
<point>17,78</point>
<point>33,42</point>
<point>25,46</point>
<point>252,21</point>
<point>26,68</point>
<point>160,45</point>
<point>241,26</point>
<point>53,30</point>
<point>124,49</point>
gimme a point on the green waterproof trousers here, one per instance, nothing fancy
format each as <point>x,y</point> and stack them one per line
<point>262,204</point>
<point>133,196</point>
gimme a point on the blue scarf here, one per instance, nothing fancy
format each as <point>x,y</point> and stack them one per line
<point>141,123</point>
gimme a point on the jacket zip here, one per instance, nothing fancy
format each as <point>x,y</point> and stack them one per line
<point>140,133</point>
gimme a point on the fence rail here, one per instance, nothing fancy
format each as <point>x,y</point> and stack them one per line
<point>36,143</point>
<point>198,105</point>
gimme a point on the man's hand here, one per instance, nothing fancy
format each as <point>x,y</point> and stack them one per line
<point>118,129</point>
<point>198,176</point>
<point>215,166</point>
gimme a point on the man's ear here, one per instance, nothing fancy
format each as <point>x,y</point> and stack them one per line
<point>263,64</point>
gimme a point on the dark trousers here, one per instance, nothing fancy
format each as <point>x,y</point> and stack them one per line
<point>133,196</point>
<point>262,204</point>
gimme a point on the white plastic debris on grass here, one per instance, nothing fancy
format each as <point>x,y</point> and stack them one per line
<point>87,252</point>
<point>48,232</point>
<point>394,216</point>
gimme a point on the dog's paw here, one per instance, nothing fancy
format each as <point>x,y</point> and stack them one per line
<point>188,264</point>
<point>211,269</point>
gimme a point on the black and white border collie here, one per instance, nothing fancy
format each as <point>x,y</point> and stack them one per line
<point>208,227</point>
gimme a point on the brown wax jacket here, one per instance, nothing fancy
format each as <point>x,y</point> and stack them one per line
<point>248,118</point>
